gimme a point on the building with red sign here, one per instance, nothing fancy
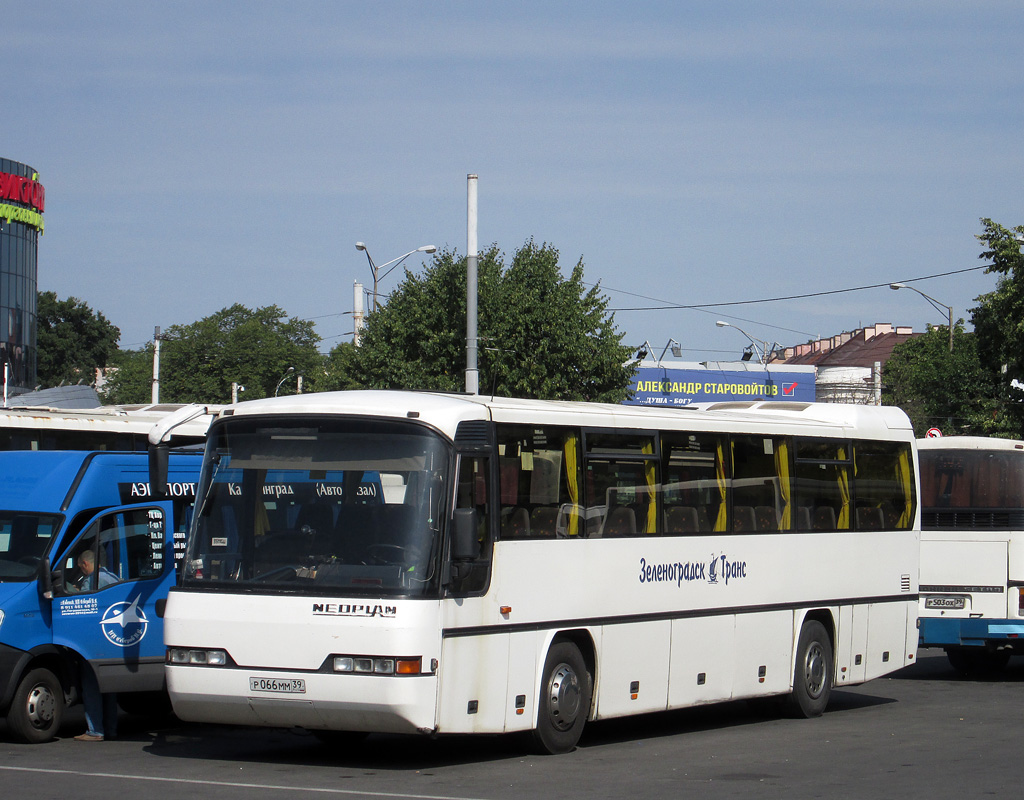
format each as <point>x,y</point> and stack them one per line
<point>22,202</point>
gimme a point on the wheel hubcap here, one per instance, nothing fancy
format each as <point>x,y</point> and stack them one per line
<point>42,706</point>
<point>564,697</point>
<point>815,670</point>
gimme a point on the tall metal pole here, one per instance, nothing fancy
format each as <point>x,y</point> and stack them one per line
<point>472,375</point>
<point>156,366</point>
<point>358,315</point>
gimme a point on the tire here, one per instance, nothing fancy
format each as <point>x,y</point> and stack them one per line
<point>564,701</point>
<point>813,673</point>
<point>37,707</point>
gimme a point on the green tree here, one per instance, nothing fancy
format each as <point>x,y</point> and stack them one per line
<point>540,335</point>
<point>261,349</point>
<point>999,320</point>
<point>72,341</point>
<point>938,389</point>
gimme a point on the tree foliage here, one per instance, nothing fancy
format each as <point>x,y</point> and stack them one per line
<point>938,389</point>
<point>540,335</point>
<point>970,391</point>
<point>260,349</point>
<point>999,320</point>
<point>72,341</point>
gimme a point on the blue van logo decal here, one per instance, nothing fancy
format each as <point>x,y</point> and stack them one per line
<point>124,624</point>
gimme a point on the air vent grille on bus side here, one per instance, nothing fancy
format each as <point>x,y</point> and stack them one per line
<point>932,519</point>
<point>473,434</point>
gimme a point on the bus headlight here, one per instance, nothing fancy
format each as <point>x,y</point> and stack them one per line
<point>185,655</point>
<point>377,665</point>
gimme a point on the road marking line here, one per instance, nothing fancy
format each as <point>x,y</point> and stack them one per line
<point>234,784</point>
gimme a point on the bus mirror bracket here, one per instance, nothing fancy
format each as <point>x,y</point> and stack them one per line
<point>158,461</point>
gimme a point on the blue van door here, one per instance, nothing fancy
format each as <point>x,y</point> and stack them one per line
<point>106,587</point>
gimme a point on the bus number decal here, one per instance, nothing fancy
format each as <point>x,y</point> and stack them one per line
<point>718,568</point>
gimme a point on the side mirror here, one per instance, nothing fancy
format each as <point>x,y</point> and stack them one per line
<point>45,579</point>
<point>55,586</point>
<point>465,546</point>
<point>158,458</point>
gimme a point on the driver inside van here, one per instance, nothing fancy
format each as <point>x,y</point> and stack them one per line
<point>92,579</point>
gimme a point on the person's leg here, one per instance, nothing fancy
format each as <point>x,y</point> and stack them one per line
<point>93,702</point>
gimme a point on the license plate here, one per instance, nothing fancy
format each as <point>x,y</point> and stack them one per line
<point>285,685</point>
<point>953,603</point>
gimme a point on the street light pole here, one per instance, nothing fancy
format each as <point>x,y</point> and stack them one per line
<point>762,354</point>
<point>375,269</point>
<point>935,304</point>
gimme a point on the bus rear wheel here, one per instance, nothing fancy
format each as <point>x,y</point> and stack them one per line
<point>564,703</point>
<point>37,707</point>
<point>812,676</point>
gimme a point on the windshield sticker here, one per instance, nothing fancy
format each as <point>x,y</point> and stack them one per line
<point>124,624</point>
<point>718,569</point>
<point>354,610</point>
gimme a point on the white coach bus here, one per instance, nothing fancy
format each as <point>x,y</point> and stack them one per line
<point>404,562</point>
<point>123,428</point>
<point>972,549</point>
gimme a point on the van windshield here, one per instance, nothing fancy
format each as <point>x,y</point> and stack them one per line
<point>319,506</point>
<point>24,539</point>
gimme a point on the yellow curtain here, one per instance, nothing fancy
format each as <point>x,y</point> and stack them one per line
<point>574,487</point>
<point>650,477</point>
<point>782,472</point>
<point>843,479</point>
<point>722,519</point>
<point>903,476</point>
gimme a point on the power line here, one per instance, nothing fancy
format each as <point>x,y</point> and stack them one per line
<point>701,306</point>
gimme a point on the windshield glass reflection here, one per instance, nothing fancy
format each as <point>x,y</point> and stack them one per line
<point>321,505</point>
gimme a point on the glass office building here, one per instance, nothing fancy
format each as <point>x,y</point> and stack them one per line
<point>22,201</point>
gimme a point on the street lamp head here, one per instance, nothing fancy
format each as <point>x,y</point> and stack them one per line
<point>895,286</point>
<point>427,248</point>
<point>360,246</point>
<point>722,324</point>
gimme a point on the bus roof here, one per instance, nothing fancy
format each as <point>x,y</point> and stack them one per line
<point>127,419</point>
<point>446,411</point>
<point>969,443</point>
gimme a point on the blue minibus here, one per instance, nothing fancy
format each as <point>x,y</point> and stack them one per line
<point>55,619</point>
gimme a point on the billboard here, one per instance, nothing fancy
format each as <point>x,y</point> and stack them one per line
<point>681,384</point>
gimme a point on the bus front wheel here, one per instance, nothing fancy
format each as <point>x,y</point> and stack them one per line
<point>812,676</point>
<point>37,707</point>
<point>564,699</point>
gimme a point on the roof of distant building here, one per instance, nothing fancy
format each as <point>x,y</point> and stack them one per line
<point>860,348</point>
<point>58,397</point>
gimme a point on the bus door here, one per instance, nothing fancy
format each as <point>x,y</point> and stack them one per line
<point>105,588</point>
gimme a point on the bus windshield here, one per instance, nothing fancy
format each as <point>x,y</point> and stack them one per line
<point>311,505</point>
<point>24,539</point>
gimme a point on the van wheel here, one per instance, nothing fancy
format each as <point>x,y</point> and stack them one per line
<point>37,707</point>
<point>564,700</point>
<point>812,676</point>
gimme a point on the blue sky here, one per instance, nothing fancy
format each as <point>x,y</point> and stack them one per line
<point>197,155</point>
